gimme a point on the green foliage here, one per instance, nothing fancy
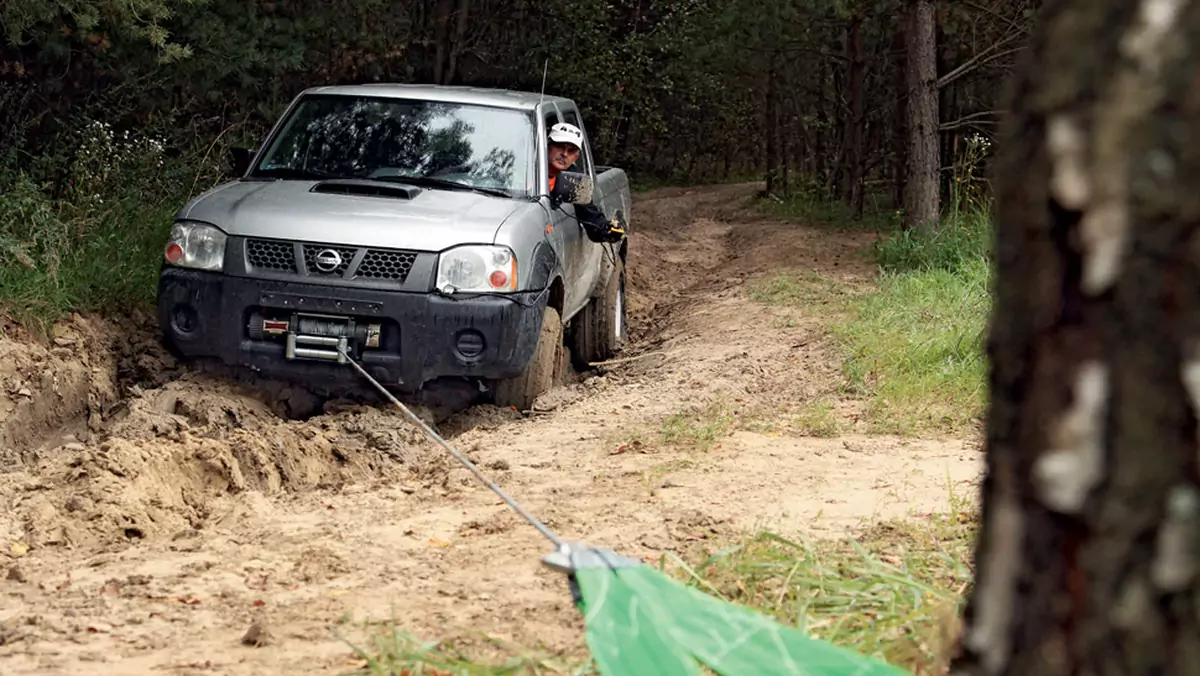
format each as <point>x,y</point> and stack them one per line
<point>917,343</point>
<point>100,258</point>
<point>916,348</point>
<point>28,21</point>
<point>964,241</point>
<point>811,207</point>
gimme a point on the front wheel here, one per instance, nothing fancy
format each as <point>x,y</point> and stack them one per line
<point>542,370</point>
<point>599,331</point>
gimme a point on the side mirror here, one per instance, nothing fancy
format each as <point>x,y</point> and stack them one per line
<point>240,159</point>
<point>572,187</point>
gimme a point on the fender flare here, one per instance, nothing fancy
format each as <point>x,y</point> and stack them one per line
<point>544,267</point>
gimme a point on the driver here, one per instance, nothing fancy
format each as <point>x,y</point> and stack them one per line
<point>563,148</point>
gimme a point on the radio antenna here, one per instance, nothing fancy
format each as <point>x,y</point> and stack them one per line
<point>545,69</point>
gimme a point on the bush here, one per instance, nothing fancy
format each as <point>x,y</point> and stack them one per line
<point>963,240</point>
<point>93,243</point>
<point>71,258</point>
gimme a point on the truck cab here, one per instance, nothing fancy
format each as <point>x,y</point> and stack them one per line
<point>410,228</point>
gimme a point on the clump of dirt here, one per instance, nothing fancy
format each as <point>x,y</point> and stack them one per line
<point>177,451</point>
<point>68,384</point>
<point>154,462</point>
<point>44,386</point>
<point>481,417</point>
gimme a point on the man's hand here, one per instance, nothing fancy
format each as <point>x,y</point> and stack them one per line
<point>616,231</point>
<point>605,232</point>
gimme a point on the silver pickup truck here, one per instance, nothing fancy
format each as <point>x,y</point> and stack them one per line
<point>412,227</point>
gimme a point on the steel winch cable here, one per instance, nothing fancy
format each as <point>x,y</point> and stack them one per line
<point>516,506</point>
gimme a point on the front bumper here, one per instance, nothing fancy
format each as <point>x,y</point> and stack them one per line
<point>422,336</point>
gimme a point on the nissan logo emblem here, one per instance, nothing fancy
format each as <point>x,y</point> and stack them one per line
<point>327,260</point>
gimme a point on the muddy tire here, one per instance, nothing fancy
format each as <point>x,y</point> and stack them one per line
<point>598,331</point>
<point>543,370</point>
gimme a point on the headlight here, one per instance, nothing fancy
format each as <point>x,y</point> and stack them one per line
<point>477,269</point>
<point>196,245</point>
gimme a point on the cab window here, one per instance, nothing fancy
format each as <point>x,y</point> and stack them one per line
<point>581,165</point>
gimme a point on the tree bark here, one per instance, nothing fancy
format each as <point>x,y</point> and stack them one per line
<point>921,203</point>
<point>460,36</point>
<point>1089,551</point>
<point>899,130</point>
<point>852,171</point>
<point>772,126</point>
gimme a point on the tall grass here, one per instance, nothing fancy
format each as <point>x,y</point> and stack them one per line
<point>65,258</point>
<point>93,242</point>
<point>916,345</point>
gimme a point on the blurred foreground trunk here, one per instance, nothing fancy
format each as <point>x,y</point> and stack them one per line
<point>1088,557</point>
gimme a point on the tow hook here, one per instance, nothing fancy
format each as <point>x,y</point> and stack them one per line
<point>315,336</point>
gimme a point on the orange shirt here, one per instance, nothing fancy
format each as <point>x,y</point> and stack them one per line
<point>552,180</point>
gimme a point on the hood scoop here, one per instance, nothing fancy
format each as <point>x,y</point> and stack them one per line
<point>356,186</point>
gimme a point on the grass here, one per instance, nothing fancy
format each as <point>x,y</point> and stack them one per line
<point>796,287</point>
<point>392,652</point>
<point>811,208</point>
<point>701,428</point>
<point>916,344</point>
<point>893,592</point>
<point>817,417</point>
<point>66,258</point>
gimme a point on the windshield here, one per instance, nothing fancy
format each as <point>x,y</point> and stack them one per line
<point>401,139</point>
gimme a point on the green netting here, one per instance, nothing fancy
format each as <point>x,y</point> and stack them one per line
<point>640,621</point>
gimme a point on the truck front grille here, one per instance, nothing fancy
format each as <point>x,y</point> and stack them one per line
<point>380,264</point>
<point>270,255</point>
<point>318,260</point>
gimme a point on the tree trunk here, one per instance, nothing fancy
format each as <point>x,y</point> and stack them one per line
<point>460,35</point>
<point>772,126</point>
<point>853,190</point>
<point>921,203</point>
<point>825,122</point>
<point>785,153</point>
<point>1088,558</point>
<point>899,125</point>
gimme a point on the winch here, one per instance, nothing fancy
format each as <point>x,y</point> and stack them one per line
<point>315,336</point>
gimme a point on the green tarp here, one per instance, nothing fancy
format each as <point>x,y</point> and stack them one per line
<point>641,621</point>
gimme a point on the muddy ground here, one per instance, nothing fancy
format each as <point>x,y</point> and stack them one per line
<point>151,515</point>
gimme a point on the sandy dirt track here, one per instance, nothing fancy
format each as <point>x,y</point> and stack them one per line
<point>150,515</point>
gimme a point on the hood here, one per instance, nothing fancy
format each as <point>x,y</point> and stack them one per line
<point>432,220</point>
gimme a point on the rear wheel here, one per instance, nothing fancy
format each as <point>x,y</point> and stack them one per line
<point>543,369</point>
<point>598,332</point>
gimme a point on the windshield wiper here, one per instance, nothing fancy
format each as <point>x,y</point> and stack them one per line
<point>435,182</point>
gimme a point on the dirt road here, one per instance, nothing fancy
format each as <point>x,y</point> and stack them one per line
<point>150,516</point>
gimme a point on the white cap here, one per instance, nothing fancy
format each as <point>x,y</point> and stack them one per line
<point>567,133</point>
